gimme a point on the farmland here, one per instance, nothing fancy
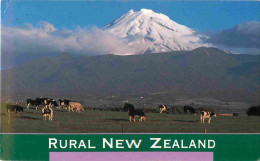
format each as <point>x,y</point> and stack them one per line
<point>103,121</point>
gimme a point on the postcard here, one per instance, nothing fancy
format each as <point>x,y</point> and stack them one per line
<point>130,80</point>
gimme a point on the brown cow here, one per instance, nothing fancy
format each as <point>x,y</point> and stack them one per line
<point>75,105</point>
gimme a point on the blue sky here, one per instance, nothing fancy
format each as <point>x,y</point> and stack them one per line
<point>202,16</point>
<point>26,34</point>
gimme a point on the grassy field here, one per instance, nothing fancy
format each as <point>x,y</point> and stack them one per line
<point>30,121</point>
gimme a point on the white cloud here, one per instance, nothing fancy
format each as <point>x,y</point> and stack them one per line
<point>244,35</point>
<point>243,38</point>
<point>31,39</point>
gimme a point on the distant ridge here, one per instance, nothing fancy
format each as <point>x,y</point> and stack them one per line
<point>201,72</point>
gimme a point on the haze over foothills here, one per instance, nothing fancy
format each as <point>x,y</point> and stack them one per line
<point>34,29</point>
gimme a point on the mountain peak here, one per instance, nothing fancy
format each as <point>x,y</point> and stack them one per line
<point>150,32</point>
<point>143,11</point>
<point>146,10</point>
<point>150,12</point>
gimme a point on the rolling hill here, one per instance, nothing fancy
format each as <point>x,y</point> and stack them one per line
<point>209,72</point>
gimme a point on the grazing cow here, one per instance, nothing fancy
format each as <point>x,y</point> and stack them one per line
<point>132,113</point>
<point>64,102</point>
<point>47,111</point>
<point>36,103</point>
<point>189,109</point>
<point>14,108</point>
<point>206,115</point>
<point>163,108</point>
<point>75,105</point>
<point>51,102</point>
<point>41,100</point>
<point>54,103</point>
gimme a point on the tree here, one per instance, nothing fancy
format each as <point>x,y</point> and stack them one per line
<point>253,111</point>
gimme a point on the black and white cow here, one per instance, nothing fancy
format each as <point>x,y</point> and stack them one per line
<point>41,100</point>
<point>47,111</point>
<point>49,101</point>
<point>31,102</point>
<point>14,108</point>
<point>132,113</point>
<point>206,115</point>
<point>64,102</point>
<point>188,109</point>
<point>163,108</point>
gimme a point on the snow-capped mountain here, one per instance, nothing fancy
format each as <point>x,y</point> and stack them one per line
<point>150,32</point>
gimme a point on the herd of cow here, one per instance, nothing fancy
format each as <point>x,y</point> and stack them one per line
<point>133,113</point>
<point>47,105</point>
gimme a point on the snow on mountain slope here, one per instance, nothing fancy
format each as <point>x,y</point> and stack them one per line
<point>150,32</point>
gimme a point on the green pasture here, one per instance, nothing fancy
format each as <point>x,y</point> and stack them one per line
<point>98,121</point>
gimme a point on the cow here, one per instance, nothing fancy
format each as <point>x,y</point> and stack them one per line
<point>36,103</point>
<point>163,108</point>
<point>132,113</point>
<point>51,102</point>
<point>64,102</point>
<point>41,100</point>
<point>14,108</point>
<point>206,115</point>
<point>188,109</point>
<point>47,111</point>
<point>75,105</point>
<point>54,103</point>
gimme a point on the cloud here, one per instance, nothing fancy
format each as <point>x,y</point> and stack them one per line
<point>93,41</point>
<point>44,39</point>
<point>24,43</point>
<point>244,35</point>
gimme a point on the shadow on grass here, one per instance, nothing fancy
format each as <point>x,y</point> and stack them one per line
<point>30,118</point>
<point>186,121</point>
<point>29,112</point>
<point>60,110</point>
<point>118,120</point>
